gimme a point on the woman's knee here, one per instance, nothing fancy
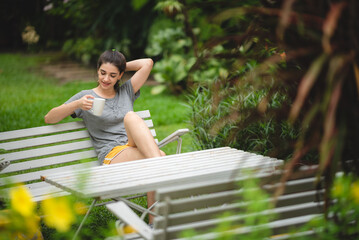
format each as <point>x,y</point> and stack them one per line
<point>162,153</point>
<point>131,117</point>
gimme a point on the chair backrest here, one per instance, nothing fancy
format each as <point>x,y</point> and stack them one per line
<point>52,148</point>
<point>198,206</point>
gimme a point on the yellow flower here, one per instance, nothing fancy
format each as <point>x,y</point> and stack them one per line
<point>80,208</point>
<point>337,189</point>
<point>31,229</point>
<point>129,229</point>
<point>354,190</point>
<point>21,201</point>
<point>58,213</point>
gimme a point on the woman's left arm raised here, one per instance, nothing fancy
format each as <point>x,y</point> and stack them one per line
<point>143,68</point>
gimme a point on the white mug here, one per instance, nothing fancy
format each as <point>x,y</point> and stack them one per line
<point>97,106</point>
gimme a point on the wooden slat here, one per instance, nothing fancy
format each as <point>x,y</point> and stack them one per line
<point>39,141</point>
<point>211,156</point>
<point>194,189</point>
<point>61,127</point>
<point>196,202</point>
<point>291,186</point>
<point>182,191</point>
<point>38,191</point>
<point>151,174</point>
<point>50,195</point>
<point>38,152</point>
<point>36,175</point>
<point>219,198</point>
<point>44,162</point>
<point>153,132</point>
<point>191,164</point>
<point>144,114</point>
<point>198,215</point>
<point>280,226</point>
<point>149,123</point>
<point>60,134</point>
<point>36,131</point>
<point>33,142</point>
<point>201,212</point>
<point>131,217</point>
<point>207,218</point>
<point>155,162</point>
<point>300,211</point>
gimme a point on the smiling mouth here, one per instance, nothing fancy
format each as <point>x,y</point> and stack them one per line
<point>106,84</point>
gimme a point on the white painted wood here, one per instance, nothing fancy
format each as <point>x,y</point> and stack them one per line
<point>33,142</point>
<point>173,137</point>
<point>275,225</point>
<point>149,123</point>
<point>31,150</point>
<point>200,211</point>
<point>153,132</point>
<point>53,139</point>
<point>45,162</point>
<point>164,171</point>
<point>36,175</point>
<point>188,163</point>
<point>36,131</point>
<point>131,218</point>
<point>38,152</point>
<point>38,191</point>
<point>171,174</point>
<point>144,114</point>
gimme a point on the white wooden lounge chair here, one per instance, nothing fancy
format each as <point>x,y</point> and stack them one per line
<point>37,151</point>
<point>197,207</point>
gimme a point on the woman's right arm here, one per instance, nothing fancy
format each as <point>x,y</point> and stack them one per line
<point>56,114</point>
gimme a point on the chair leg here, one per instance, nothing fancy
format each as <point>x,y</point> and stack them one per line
<point>147,211</point>
<point>179,145</point>
<point>84,219</point>
<point>137,207</point>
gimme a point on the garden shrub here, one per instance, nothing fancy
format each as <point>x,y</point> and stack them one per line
<point>235,121</point>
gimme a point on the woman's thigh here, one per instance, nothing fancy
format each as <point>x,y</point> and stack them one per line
<point>130,154</point>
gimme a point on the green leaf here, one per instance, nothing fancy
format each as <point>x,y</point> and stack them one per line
<point>138,4</point>
<point>158,89</point>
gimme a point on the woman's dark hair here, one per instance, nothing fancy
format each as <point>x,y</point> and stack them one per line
<point>114,57</point>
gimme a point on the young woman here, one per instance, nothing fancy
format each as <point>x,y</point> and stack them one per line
<point>118,135</point>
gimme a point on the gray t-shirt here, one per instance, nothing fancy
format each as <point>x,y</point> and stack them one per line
<point>107,130</point>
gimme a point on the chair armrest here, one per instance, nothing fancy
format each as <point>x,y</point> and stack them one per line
<point>124,213</point>
<point>173,137</point>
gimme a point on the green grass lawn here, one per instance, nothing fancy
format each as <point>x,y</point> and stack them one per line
<point>26,95</point>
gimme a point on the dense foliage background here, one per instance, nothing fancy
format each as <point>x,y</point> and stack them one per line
<point>275,77</point>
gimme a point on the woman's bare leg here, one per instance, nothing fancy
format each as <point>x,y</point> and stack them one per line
<point>139,135</point>
<point>142,146</point>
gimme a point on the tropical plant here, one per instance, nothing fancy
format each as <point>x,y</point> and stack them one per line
<point>179,40</point>
<point>306,55</point>
<point>171,45</point>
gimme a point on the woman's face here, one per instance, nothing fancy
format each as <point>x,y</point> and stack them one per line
<point>108,75</point>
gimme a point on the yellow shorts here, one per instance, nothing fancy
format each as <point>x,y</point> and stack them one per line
<point>114,152</point>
